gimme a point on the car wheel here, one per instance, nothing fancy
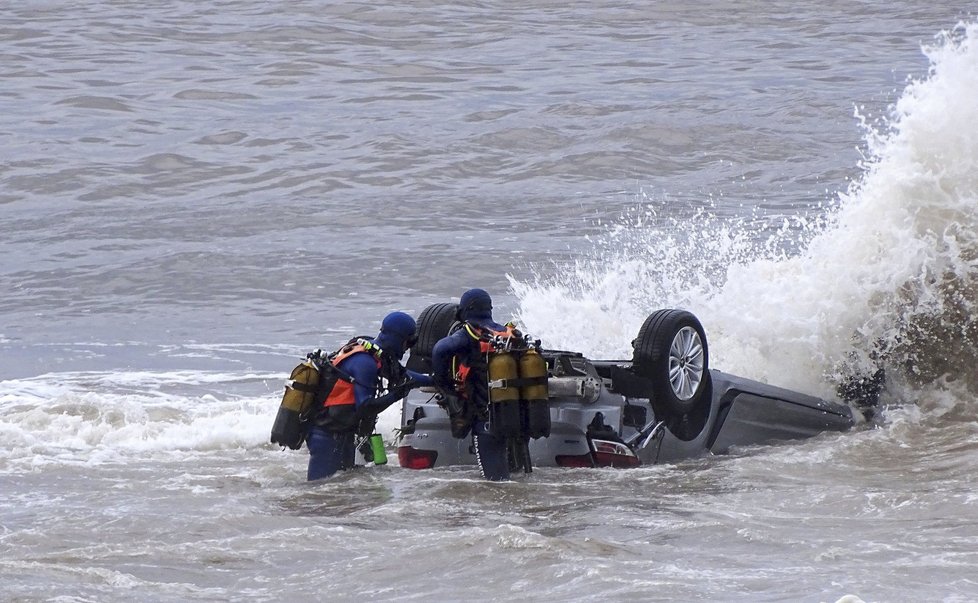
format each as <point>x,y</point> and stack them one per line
<point>434,323</point>
<point>671,352</point>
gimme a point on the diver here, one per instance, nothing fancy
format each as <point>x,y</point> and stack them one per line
<point>371,379</point>
<point>460,372</point>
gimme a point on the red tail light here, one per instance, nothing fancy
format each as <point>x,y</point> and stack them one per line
<point>613,454</point>
<point>411,458</point>
<point>604,459</point>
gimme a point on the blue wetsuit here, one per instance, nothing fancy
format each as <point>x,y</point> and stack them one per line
<point>490,450</point>
<point>332,451</point>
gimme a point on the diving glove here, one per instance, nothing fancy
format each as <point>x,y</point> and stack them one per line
<point>458,413</point>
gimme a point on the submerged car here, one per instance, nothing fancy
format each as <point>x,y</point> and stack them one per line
<point>663,405</point>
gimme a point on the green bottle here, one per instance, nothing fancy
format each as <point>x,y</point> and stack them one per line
<point>377,447</point>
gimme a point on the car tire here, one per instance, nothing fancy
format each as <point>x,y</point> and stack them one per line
<point>672,353</point>
<point>434,323</point>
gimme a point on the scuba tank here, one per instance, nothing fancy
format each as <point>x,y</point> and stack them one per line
<point>534,394</point>
<point>504,398</point>
<point>307,387</point>
<point>298,403</point>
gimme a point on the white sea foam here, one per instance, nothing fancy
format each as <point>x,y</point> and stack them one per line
<point>891,269</point>
<point>92,418</point>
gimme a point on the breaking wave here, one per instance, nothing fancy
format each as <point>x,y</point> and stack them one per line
<point>96,418</point>
<point>887,274</point>
<point>90,418</point>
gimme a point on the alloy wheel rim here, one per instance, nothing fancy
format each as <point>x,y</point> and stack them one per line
<point>686,363</point>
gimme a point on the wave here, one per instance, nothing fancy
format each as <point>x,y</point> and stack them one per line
<point>886,274</point>
<point>93,418</point>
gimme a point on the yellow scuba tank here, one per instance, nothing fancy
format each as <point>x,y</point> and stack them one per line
<point>504,397</point>
<point>292,420</point>
<point>535,394</point>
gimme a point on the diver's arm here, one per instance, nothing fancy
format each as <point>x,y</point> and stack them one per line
<point>363,369</point>
<point>375,406</point>
<point>420,379</point>
<point>455,344</point>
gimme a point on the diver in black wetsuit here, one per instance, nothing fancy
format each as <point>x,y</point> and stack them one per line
<point>461,374</point>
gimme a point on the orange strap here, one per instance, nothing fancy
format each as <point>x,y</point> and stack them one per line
<point>343,391</point>
<point>342,394</point>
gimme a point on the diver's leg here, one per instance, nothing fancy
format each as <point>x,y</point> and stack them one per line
<point>490,452</point>
<point>349,447</point>
<point>327,453</point>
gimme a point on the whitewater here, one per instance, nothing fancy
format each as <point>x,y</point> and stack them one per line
<point>194,196</point>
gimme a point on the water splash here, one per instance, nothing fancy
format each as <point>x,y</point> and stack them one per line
<point>90,418</point>
<point>888,274</point>
<point>95,418</point>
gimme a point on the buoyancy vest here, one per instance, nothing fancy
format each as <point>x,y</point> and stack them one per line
<point>338,413</point>
<point>343,392</point>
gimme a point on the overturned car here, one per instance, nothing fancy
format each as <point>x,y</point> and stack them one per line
<point>663,405</point>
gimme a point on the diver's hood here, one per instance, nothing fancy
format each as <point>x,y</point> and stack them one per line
<point>396,333</point>
<point>475,305</point>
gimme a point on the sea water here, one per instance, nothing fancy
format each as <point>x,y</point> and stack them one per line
<point>194,195</point>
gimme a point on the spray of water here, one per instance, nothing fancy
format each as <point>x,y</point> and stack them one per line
<point>887,275</point>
